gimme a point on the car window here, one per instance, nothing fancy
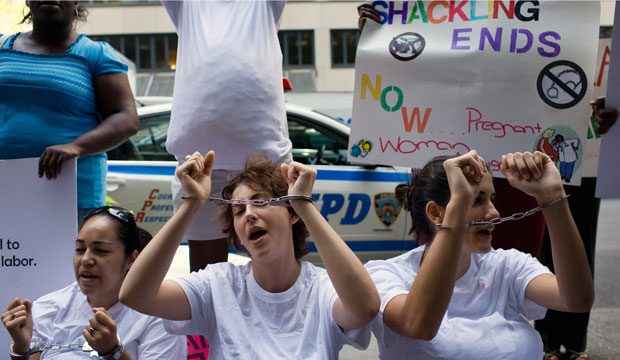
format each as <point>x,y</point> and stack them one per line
<point>316,147</point>
<point>149,143</point>
<point>311,144</point>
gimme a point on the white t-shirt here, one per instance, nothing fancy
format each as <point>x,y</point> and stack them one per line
<point>243,321</point>
<point>228,92</point>
<point>487,314</point>
<point>60,317</point>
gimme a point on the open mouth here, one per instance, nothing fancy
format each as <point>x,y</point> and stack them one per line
<point>486,232</point>
<point>88,276</point>
<point>257,234</point>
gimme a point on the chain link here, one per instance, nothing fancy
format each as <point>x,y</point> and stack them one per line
<point>280,201</point>
<point>42,345</point>
<point>499,220</point>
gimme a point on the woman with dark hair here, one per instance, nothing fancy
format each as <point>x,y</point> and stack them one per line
<point>276,306</point>
<point>458,298</point>
<point>87,314</point>
<point>63,96</point>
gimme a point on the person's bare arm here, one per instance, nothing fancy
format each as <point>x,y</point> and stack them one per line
<point>571,288</point>
<point>116,104</point>
<point>144,288</point>
<point>358,300</point>
<point>418,314</point>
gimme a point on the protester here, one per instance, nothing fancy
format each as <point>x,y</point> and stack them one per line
<point>457,297</point>
<point>571,329</point>
<point>228,96</point>
<point>63,96</point>
<point>276,306</point>
<point>88,310</point>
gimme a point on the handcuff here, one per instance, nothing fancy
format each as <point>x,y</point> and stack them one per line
<point>38,345</point>
<point>279,201</point>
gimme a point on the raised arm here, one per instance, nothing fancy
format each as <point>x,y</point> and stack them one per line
<point>604,117</point>
<point>358,299</point>
<point>419,314</point>
<point>144,288</point>
<point>571,288</point>
<point>120,120</point>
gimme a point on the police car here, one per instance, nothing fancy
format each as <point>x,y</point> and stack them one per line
<point>357,200</point>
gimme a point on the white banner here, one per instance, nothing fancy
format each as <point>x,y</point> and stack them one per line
<point>38,228</point>
<point>608,170</point>
<point>439,78</point>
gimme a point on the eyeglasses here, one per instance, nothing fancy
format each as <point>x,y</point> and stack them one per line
<point>123,215</point>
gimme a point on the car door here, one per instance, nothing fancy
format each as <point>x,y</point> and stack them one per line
<point>140,171</point>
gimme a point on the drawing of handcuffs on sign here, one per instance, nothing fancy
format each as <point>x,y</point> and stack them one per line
<point>39,345</point>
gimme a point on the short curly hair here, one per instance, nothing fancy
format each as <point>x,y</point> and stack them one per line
<point>259,173</point>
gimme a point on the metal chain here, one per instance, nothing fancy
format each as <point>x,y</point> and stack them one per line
<point>499,220</point>
<point>42,345</point>
<point>280,201</point>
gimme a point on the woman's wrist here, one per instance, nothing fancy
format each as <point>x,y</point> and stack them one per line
<point>549,196</point>
<point>19,354</point>
<point>18,348</point>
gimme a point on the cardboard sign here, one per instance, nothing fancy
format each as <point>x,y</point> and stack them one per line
<point>38,228</point>
<point>609,162</point>
<point>441,78</point>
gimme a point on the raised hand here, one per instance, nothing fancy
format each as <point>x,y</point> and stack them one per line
<point>300,178</point>
<point>100,332</point>
<point>195,174</point>
<point>534,174</point>
<point>54,156</point>
<point>17,318</point>
<point>366,11</point>
<point>464,175</point>
<point>604,117</point>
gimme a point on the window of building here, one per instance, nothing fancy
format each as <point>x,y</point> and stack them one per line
<point>297,48</point>
<point>150,53</point>
<point>605,32</point>
<point>344,46</point>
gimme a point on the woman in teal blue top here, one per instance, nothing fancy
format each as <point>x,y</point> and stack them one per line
<point>63,96</point>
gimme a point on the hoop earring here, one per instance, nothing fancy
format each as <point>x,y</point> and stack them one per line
<point>76,13</point>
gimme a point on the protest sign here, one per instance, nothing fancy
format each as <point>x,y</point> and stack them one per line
<point>440,78</point>
<point>608,170</point>
<point>38,221</point>
<point>593,140</point>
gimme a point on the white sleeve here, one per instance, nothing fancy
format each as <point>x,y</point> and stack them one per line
<point>521,269</point>
<point>358,338</point>
<point>390,282</point>
<point>197,288</point>
<point>155,343</point>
